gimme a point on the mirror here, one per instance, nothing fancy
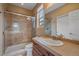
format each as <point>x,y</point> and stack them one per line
<point>65,25</point>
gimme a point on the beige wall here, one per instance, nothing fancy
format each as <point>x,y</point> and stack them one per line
<point>52,15</point>
<point>39,30</point>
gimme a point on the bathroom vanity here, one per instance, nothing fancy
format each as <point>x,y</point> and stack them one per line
<point>42,49</point>
<point>38,50</point>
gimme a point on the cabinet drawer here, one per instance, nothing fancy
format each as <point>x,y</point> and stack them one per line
<point>41,49</point>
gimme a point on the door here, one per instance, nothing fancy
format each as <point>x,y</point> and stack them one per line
<point>18,30</point>
<point>1,31</point>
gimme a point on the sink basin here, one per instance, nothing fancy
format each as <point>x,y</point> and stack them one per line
<point>54,42</point>
<point>50,42</point>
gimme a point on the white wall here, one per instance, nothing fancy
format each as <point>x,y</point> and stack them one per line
<point>1,30</point>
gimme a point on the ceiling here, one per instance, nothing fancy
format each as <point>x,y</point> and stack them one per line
<point>54,7</point>
<point>29,6</point>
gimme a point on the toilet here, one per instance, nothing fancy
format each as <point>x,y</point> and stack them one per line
<point>28,49</point>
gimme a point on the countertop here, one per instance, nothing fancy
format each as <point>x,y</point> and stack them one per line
<point>68,49</point>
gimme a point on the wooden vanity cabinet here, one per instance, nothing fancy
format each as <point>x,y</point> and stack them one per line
<point>40,51</point>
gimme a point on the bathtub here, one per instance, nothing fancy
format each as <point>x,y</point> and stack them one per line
<point>16,50</point>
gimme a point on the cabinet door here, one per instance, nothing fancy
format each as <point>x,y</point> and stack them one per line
<point>1,31</point>
<point>42,50</point>
<point>35,52</point>
<point>38,50</point>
